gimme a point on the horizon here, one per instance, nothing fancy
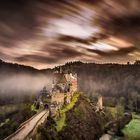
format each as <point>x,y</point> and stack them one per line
<point>60,65</point>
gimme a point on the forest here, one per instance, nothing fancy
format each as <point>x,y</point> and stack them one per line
<point>20,85</point>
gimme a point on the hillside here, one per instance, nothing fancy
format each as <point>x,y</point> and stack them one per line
<point>113,81</point>
<point>11,68</point>
<point>116,82</point>
<point>80,123</point>
<point>6,67</point>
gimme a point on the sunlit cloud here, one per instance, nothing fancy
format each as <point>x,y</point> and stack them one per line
<point>103,47</point>
<point>77,25</point>
<point>120,43</point>
<point>70,28</point>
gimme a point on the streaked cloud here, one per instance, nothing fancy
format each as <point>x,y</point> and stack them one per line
<point>47,33</point>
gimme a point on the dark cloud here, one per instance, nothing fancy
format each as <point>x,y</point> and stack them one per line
<point>88,41</point>
<point>127,27</point>
<point>66,38</point>
<point>63,52</point>
<point>120,18</point>
<point>52,31</point>
<point>37,58</point>
<point>54,54</point>
<point>17,21</point>
<point>23,19</point>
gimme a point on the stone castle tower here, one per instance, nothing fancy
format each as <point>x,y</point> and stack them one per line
<point>99,104</point>
<point>64,82</point>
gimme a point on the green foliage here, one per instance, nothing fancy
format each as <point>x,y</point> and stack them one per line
<point>7,109</point>
<point>117,138</point>
<point>79,113</point>
<point>38,136</point>
<point>12,120</point>
<point>117,111</point>
<point>61,117</point>
<point>60,123</point>
<point>136,115</point>
<point>132,130</point>
<point>109,101</point>
<point>112,111</point>
<point>33,108</point>
<point>49,130</point>
<point>5,122</point>
<point>71,104</point>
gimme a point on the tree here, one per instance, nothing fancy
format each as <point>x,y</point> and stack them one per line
<point>122,101</point>
<point>130,105</point>
<point>134,96</point>
<point>119,111</point>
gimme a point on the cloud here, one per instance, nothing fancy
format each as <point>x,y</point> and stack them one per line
<point>17,22</point>
<point>46,33</point>
<point>127,27</point>
<point>55,53</point>
<point>88,41</point>
<point>120,18</point>
<point>37,58</point>
<point>120,52</point>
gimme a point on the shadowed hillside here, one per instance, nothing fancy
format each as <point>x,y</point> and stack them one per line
<point>18,82</point>
<point>80,123</point>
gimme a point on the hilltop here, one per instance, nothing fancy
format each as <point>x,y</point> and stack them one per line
<point>80,122</point>
<point>11,68</point>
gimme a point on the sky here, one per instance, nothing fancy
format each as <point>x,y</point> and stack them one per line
<point>46,33</point>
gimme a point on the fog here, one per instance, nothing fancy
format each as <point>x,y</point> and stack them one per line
<point>109,80</point>
<point>18,84</point>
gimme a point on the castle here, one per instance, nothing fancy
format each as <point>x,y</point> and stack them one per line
<point>63,87</point>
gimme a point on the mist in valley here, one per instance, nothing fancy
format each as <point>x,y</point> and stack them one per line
<point>17,86</point>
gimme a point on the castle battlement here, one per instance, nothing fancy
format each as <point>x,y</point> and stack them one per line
<point>63,87</point>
